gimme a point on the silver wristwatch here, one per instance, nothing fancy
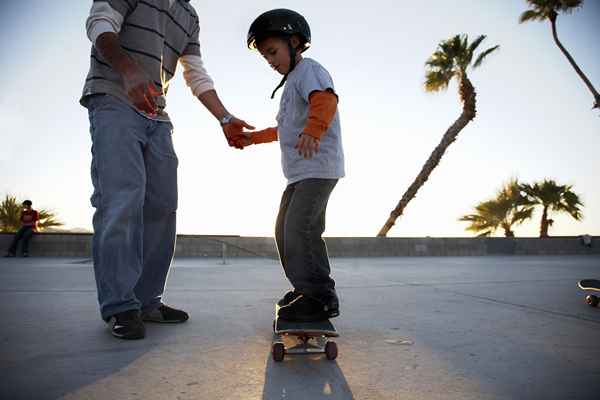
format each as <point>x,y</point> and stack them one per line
<point>226,119</point>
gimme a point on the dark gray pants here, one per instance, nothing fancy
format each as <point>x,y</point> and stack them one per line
<point>300,224</point>
<point>24,233</point>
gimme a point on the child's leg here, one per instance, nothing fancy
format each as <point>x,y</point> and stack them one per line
<point>306,262</point>
<point>279,225</point>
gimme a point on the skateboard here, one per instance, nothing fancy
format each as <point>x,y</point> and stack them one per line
<point>304,337</point>
<point>591,284</point>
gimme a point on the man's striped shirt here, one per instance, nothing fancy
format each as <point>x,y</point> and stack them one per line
<point>156,34</point>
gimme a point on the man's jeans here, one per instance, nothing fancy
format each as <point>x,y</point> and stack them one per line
<point>24,233</point>
<point>300,224</point>
<point>134,173</point>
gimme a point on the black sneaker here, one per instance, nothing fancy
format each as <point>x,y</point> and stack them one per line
<point>10,255</point>
<point>304,309</point>
<point>25,254</point>
<point>288,298</point>
<point>165,315</point>
<point>128,325</point>
<point>332,305</point>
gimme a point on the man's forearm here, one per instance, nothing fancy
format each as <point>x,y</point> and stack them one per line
<point>211,101</point>
<point>108,45</point>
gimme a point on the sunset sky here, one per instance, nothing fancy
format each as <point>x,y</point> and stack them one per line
<point>534,116</point>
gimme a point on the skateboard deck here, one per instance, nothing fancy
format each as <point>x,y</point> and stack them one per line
<point>593,285</point>
<point>301,338</point>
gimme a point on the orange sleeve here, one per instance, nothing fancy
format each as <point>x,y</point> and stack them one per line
<point>322,108</point>
<point>264,136</point>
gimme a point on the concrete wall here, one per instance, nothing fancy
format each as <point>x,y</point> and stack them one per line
<point>80,245</point>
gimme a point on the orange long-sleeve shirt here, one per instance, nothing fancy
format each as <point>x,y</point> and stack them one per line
<point>321,111</point>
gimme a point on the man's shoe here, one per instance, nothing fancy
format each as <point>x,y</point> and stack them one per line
<point>25,254</point>
<point>128,325</point>
<point>304,309</point>
<point>10,255</point>
<point>288,298</point>
<point>165,315</point>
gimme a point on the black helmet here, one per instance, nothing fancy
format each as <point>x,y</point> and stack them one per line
<point>282,22</point>
<point>27,203</point>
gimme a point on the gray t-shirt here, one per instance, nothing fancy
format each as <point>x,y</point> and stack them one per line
<point>328,163</point>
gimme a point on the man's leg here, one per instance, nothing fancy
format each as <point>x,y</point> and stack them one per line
<point>27,234</point>
<point>119,179</point>
<point>160,208</point>
<point>12,250</point>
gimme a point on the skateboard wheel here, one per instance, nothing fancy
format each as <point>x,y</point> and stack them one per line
<point>592,300</point>
<point>278,352</point>
<point>331,350</point>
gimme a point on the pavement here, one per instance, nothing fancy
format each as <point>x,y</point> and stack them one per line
<point>411,328</point>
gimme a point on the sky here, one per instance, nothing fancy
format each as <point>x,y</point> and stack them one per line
<point>534,116</point>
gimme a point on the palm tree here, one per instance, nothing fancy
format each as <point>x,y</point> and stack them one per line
<point>452,59</point>
<point>553,197</point>
<point>10,216</point>
<point>542,10</point>
<point>510,207</point>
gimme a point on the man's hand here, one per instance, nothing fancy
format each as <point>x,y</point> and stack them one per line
<point>234,131</point>
<point>140,89</point>
<point>307,146</point>
<point>242,141</point>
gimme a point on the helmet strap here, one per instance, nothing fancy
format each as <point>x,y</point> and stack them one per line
<point>292,51</point>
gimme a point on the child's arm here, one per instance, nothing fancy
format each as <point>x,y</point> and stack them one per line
<point>321,111</point>
<point>263,136</point>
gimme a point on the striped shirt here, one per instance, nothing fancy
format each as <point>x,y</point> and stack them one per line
<point>156,34</point>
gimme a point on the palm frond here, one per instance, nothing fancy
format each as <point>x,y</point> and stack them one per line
<point>532,15</point>
<point>483,55</point>
<point>436,81</point>
<point>475,43</point>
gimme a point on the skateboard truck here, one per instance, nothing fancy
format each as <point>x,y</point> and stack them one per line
<point>593,285</point>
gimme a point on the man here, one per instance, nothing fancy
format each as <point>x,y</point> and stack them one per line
<point>136,47</point>
<point>29,225</point>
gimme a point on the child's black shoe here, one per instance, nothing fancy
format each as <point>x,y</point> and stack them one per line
<point>304,309</point>
<point>288,298</point>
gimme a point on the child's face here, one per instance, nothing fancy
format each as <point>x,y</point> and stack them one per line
<point>275,51</point>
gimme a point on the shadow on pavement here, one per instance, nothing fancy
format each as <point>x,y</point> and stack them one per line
<point>305,377</point>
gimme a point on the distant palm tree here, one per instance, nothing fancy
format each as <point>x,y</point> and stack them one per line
<point>10,216</point>
<point>452,59</point>
<point>510,207</point>
<point>553,197</point>
<point>542,10</point>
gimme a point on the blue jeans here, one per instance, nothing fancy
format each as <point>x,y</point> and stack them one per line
<point>300,224</point>
<point>134,173</point>
<point>24,234</point>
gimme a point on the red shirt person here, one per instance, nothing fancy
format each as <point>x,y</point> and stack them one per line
<point>29,225</point>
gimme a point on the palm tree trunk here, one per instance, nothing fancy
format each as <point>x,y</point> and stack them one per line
<point>467,94</point>
<point>573,64</point>
<point>544,223</point>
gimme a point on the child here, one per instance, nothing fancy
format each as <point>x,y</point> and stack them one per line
<point>308,131</point>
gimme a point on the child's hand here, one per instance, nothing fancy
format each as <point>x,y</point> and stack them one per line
<point>241,141</point>
<point>307,146</point>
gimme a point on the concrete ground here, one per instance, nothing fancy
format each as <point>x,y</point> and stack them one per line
<point>411,328</point>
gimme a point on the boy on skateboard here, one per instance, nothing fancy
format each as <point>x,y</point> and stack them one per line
<point>308,130</point>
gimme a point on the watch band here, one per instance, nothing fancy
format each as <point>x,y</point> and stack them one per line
<point>226,119</point>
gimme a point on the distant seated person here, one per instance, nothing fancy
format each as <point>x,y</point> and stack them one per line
<point>29,225</point>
